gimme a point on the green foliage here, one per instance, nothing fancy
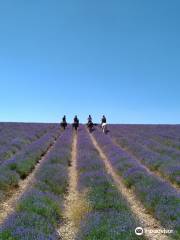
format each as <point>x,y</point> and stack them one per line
<point>42,205</point>
<point>105,196</point>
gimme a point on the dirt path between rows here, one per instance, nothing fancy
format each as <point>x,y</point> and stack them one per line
<point>68,230</point>
<point>8,207</point>
<point>146,220</point>
<point>155,173</point>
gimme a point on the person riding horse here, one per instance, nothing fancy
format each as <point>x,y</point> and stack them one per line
<point>75,124</point>
<point>64,123</point>
<point>90,123</point>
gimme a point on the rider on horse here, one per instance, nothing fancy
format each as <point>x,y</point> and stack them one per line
<point>64,123</point>
<point>90,123</point>
<point>76,122</point>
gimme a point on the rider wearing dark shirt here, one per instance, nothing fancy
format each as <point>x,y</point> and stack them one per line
<point>76,120</point>
<point>103,120</point>
<point>64,119</point>
<point>89,119</point>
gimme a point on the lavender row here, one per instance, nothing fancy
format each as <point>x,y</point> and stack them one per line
<point>168,135</point>
<point>154,161</point>
<point>150,129</point>
<point>161,162</point>
<point>39,211</point>
<point>158,134</point>
<point>23,163</point>
<point>15,138</point>
<point>109,216</point>
<point>158,197</point>
<point>11,131</point>
<point>148,140</point>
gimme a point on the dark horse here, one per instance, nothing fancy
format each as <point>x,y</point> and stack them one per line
<point>90,126</point>
<point>75,125</point>
<point>64,125</point>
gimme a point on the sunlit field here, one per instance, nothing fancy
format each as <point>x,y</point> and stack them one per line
<point>62,184</point>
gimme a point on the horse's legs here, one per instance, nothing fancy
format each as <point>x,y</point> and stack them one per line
<point>104,129</point>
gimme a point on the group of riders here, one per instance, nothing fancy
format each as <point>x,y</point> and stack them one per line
<point>90,124</point>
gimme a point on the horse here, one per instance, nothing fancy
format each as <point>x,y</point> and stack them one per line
<point>64,125</point>
<point>75,125</point>
<point>104,127</point>
<point>90,126</point>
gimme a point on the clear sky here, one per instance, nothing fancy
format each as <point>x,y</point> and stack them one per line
<point>115,57</point>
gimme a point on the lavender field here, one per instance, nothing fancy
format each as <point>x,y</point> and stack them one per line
<point>57,184</point>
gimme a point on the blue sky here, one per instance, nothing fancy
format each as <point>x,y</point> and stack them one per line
<point>118,57</point>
